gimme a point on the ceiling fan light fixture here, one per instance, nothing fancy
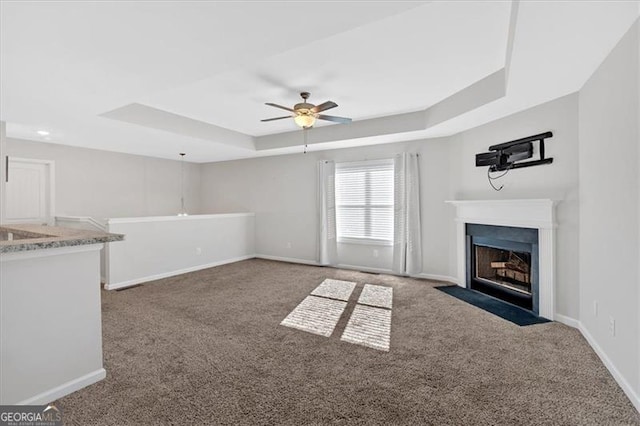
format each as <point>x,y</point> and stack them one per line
<point>305,114</point>
<point>305,120</point>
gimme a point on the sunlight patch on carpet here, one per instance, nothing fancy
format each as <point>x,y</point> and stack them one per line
<point>335,289</point>
<point>316,315</point>
<point>376,295</point>
<point>369,326</point>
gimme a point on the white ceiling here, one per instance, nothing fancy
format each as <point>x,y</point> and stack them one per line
<point>370,71</point>
<point>159,78</point>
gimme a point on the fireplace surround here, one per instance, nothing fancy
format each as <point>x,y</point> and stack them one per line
<point>537,215</point>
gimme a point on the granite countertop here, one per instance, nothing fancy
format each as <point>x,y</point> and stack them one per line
<point>15,238</point>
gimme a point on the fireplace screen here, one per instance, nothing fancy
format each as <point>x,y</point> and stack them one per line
<point>506,268</point>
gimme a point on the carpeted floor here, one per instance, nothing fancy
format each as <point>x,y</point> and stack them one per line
<point>207,348</point>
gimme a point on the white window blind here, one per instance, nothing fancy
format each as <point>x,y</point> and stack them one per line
<point>364,201</point>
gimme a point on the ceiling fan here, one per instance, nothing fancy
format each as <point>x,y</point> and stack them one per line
<point>305,114</point>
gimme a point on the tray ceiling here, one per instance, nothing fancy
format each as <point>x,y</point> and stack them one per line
<point>159,78</point>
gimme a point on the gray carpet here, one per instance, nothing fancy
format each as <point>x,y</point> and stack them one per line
<point>207,348</point>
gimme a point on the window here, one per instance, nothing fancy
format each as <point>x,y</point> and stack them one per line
<point>364,202</point>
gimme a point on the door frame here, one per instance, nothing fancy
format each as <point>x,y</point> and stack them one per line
<point>51,176</point>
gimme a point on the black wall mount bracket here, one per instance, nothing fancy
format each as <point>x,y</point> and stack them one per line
<point>503,151</point>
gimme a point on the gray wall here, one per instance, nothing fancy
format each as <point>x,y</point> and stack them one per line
<point>281,191</point>
<point>609,212</point>
<point>557,181</point>
<point>104,184</point>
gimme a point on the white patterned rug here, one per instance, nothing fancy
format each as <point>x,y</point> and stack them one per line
<point>334,289</point>
<point>316,315</point>
<point>376,295</point>
<point>369,326</point>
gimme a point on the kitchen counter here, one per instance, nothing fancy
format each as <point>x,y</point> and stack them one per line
<point>24,237</point>
<point>50,317</point>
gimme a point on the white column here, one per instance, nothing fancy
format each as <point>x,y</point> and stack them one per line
<point>546,271</point>
<point>461,250</point>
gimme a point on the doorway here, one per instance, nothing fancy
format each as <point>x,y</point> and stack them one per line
<point>29,191</point>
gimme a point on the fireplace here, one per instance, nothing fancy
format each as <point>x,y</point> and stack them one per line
<point>506,268</point>
<point>502,261</point>
<point>536,217</point>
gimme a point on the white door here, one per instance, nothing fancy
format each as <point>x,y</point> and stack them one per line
<point>29,192</point>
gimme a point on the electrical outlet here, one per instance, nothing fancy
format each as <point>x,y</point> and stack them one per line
<point>595,308</point>
<point>612,326</point>
<point>198,251</point>
<point>375,253</point>
<point>288,245</point>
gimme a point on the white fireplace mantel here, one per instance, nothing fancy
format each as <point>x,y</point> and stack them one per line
<point>535,213</point>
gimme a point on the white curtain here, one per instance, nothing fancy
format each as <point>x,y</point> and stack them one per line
<point>407,238</point>
<point>327,244</point>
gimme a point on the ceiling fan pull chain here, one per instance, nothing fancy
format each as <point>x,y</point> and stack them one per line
<point>304,131</point>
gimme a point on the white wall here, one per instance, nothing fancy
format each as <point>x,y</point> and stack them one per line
<point>50,323</point>
<point>282,192</point>
<point>609,207</point>
<point>3,149</point>
<point>159,247</point>
<point>557,181</point>
<point>105,184</point>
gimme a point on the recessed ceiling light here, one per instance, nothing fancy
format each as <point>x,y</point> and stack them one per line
<point>42,132</point>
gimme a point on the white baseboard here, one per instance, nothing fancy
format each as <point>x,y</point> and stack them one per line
<point>571,322</point>
<point>622,382</point>
<point>364,269</point>
<point>287,259</point>
<point>129,283</point>
<point>314,263</point>
<point>619,378</point>
<point>626,386</point>
<point>66,388</point>
<point>434,277</point>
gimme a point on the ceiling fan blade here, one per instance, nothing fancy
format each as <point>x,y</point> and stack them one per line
<point>276,118</point>
<point>334,118</point>
<point>324,106</point>
<point>279,106</point>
